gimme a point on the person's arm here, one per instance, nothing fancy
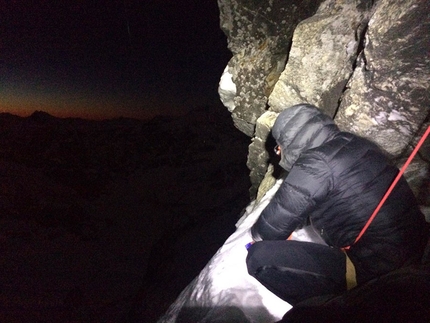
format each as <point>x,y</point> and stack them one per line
<point>307,183</point>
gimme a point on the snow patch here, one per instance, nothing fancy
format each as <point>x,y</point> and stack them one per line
<point>396,116</point>
<point>381,118</point>
<point>405,130</point>
<point>227,90</point>
<point>224,291</point>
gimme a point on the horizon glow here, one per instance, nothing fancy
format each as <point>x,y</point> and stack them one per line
<point>63,101</point>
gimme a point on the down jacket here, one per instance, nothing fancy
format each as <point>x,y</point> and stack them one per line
<point>335,181</point>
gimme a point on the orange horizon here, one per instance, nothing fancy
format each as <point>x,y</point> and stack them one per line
<point>64,106</point>
<point>71,104</point>
<point>97,116</point>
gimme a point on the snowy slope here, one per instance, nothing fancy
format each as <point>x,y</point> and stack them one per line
<point>224,291</point>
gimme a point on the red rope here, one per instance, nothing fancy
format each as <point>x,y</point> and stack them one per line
<point>399,175</point>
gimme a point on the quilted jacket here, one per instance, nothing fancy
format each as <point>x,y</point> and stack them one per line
<point>335,181</point>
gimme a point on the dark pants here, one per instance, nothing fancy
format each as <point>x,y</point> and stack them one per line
<point>296,270</point>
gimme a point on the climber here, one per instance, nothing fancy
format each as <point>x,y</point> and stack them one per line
<point>334,182</point>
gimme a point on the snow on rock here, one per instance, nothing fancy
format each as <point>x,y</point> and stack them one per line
<point>224,291</point>
<point>259,37</point>
<point>227,90</point>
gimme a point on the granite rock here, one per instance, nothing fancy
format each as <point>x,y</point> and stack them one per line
<point>363,62</point>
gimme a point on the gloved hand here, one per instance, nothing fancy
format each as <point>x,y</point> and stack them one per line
<point>249,244</point>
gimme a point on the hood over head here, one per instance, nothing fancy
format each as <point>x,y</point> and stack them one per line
<point>299,128</point>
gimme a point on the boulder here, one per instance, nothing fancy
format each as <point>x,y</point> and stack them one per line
<point>363,62</point>
<point>322,57</point>
<point>259,36</point>
<point>387,99</point>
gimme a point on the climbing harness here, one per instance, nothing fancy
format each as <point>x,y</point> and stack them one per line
<point>399,175</point>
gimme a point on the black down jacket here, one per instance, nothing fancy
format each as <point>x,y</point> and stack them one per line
<point>335,181</point>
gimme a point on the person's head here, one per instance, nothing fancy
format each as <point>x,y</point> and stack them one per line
<point>299,128</point>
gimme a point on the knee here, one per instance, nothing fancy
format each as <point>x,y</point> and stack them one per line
<point>254,259</point>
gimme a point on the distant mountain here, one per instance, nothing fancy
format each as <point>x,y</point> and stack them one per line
<point>97,216</point>
<point>41,116</point>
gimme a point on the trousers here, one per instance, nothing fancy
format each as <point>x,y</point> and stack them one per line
<point>297,270</point>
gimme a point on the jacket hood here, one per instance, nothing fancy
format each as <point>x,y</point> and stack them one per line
<point>299,128</point>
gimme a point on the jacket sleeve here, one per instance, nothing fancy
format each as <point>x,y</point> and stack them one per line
<point>308,182</point>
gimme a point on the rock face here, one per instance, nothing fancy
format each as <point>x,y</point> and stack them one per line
<point>321,59</point>
<point>387,97</point>
<point>259,36</point>
<point>365,63</point>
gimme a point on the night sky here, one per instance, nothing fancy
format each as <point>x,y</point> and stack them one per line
<point>109,58</point>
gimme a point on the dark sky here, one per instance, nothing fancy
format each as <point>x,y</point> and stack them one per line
<point>108,58</point>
